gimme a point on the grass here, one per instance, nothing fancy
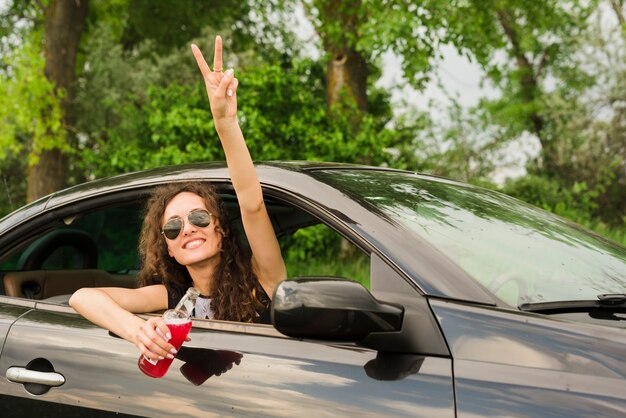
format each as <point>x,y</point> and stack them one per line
<point>357,269</point>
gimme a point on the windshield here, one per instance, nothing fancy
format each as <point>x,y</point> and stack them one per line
<point>520,253</point>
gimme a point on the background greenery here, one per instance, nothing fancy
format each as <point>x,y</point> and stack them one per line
<point>136,99</point>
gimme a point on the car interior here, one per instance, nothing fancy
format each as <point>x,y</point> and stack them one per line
<point>98,248</point>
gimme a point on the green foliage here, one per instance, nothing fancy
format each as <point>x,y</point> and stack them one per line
<point>306,131</point>
<point>17,19</point>
<point>560,75</point>
<point>141,103</point>
<point>576,202</point>
<point>318,250</point>
<point>20,63</point>
<point>30,112</point>
<point>545,32</point>
<point>313,240</point>
<point>143,110</point>
<point>527,49</point>
<point>456,145</point>
<point>413,30</point>
<point>172,127</point>
<point>323,265</point>
<point>168,25</point>
<point>186,19</point>
<point>139,109</point>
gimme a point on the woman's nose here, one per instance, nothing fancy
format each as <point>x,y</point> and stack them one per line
<point>188,228</point>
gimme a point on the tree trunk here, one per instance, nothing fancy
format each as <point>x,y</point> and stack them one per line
<point>346,77</point>
<point>64,22</point>
<point>346,73</point>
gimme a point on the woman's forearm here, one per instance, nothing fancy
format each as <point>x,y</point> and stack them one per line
<point>98,307</point>
<point>240,166</point>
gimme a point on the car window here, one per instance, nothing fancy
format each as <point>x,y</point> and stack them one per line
<point>116,231</point>
<point>107,240</point>
<point>318,250</point>
<point>309,247</point>
<point>112,232</point>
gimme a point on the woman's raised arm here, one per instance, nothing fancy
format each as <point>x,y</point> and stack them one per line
<point>221,88</point>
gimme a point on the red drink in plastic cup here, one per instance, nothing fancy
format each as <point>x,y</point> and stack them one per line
<point>179,328</point>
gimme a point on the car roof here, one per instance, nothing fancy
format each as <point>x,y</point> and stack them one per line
<point>216,171</point>
<point>191,171</point>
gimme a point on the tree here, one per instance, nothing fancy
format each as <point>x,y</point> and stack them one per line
<point>40,44</point>
<point>338,25</point>
<point>587,125</point>
<point>64,22</point>
<point>538,40</point>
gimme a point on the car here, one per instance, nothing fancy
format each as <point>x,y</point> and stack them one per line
<point>469,303</point>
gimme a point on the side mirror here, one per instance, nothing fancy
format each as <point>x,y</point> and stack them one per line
<point>331,309</point>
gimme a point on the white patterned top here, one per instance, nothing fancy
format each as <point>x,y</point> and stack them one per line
<point>203,308</point>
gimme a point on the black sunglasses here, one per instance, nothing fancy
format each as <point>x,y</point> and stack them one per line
<point>198,217</point>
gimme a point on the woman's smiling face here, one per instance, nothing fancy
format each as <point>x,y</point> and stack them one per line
<point>193,244</point>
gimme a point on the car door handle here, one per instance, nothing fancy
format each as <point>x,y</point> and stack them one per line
<point>22,375</point>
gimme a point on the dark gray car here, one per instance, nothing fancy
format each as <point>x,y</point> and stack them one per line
<point>472,304</point>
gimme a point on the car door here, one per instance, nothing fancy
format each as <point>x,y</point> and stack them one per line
<point>227,368</point>
<point>44,364</point>
<point>9,313</point>
<point>56,363</point>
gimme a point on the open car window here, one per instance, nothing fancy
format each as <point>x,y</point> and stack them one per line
<point>105,239</point>
<point>99,247</point>
<point>317,250</point>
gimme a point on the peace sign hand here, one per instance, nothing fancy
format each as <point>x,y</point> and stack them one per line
<point>220,87</point>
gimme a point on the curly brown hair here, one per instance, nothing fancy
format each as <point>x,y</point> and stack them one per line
<point>237,294</point>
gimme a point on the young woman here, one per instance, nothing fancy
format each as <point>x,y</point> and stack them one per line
<point>186,241</point>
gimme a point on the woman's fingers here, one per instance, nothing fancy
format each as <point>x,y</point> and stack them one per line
<point>217,55</point>
<point>225,83</point>
<point>231,90</point>
<point>204,67</point>
<point>152,349</point>
<point>151,339</point>
<point>145,352</point>
<point>162,329</point>
<point>147,348</point>
<point>219,85</point>
<point>211,78</point>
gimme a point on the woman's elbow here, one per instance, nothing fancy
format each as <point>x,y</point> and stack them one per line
<point>78,297</point>
<point>253,207</point>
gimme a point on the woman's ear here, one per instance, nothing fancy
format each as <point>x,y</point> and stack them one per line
<point>217,227</point>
